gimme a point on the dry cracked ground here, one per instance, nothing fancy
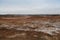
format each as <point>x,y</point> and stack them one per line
<point>29,27</point>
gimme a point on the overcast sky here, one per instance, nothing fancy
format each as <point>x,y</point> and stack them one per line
<point>29,6</point>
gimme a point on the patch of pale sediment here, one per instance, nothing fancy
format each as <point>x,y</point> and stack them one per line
<point>8,26</point>
<point>27,27</point>
<point>51,31</point>
<point>23,29</point>
<point>56,24</point>
<point>17,35</point>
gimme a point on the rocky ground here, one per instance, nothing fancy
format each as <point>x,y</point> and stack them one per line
<point>29,27</point>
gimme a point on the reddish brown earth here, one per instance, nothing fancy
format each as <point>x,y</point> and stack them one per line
<point>29,27</point>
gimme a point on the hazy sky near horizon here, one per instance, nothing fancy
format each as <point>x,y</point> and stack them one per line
<point>29,6</point>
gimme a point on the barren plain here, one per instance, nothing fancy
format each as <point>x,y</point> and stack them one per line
<point>30,27</point>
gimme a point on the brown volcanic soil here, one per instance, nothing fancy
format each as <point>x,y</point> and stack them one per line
<point>30,28</point>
